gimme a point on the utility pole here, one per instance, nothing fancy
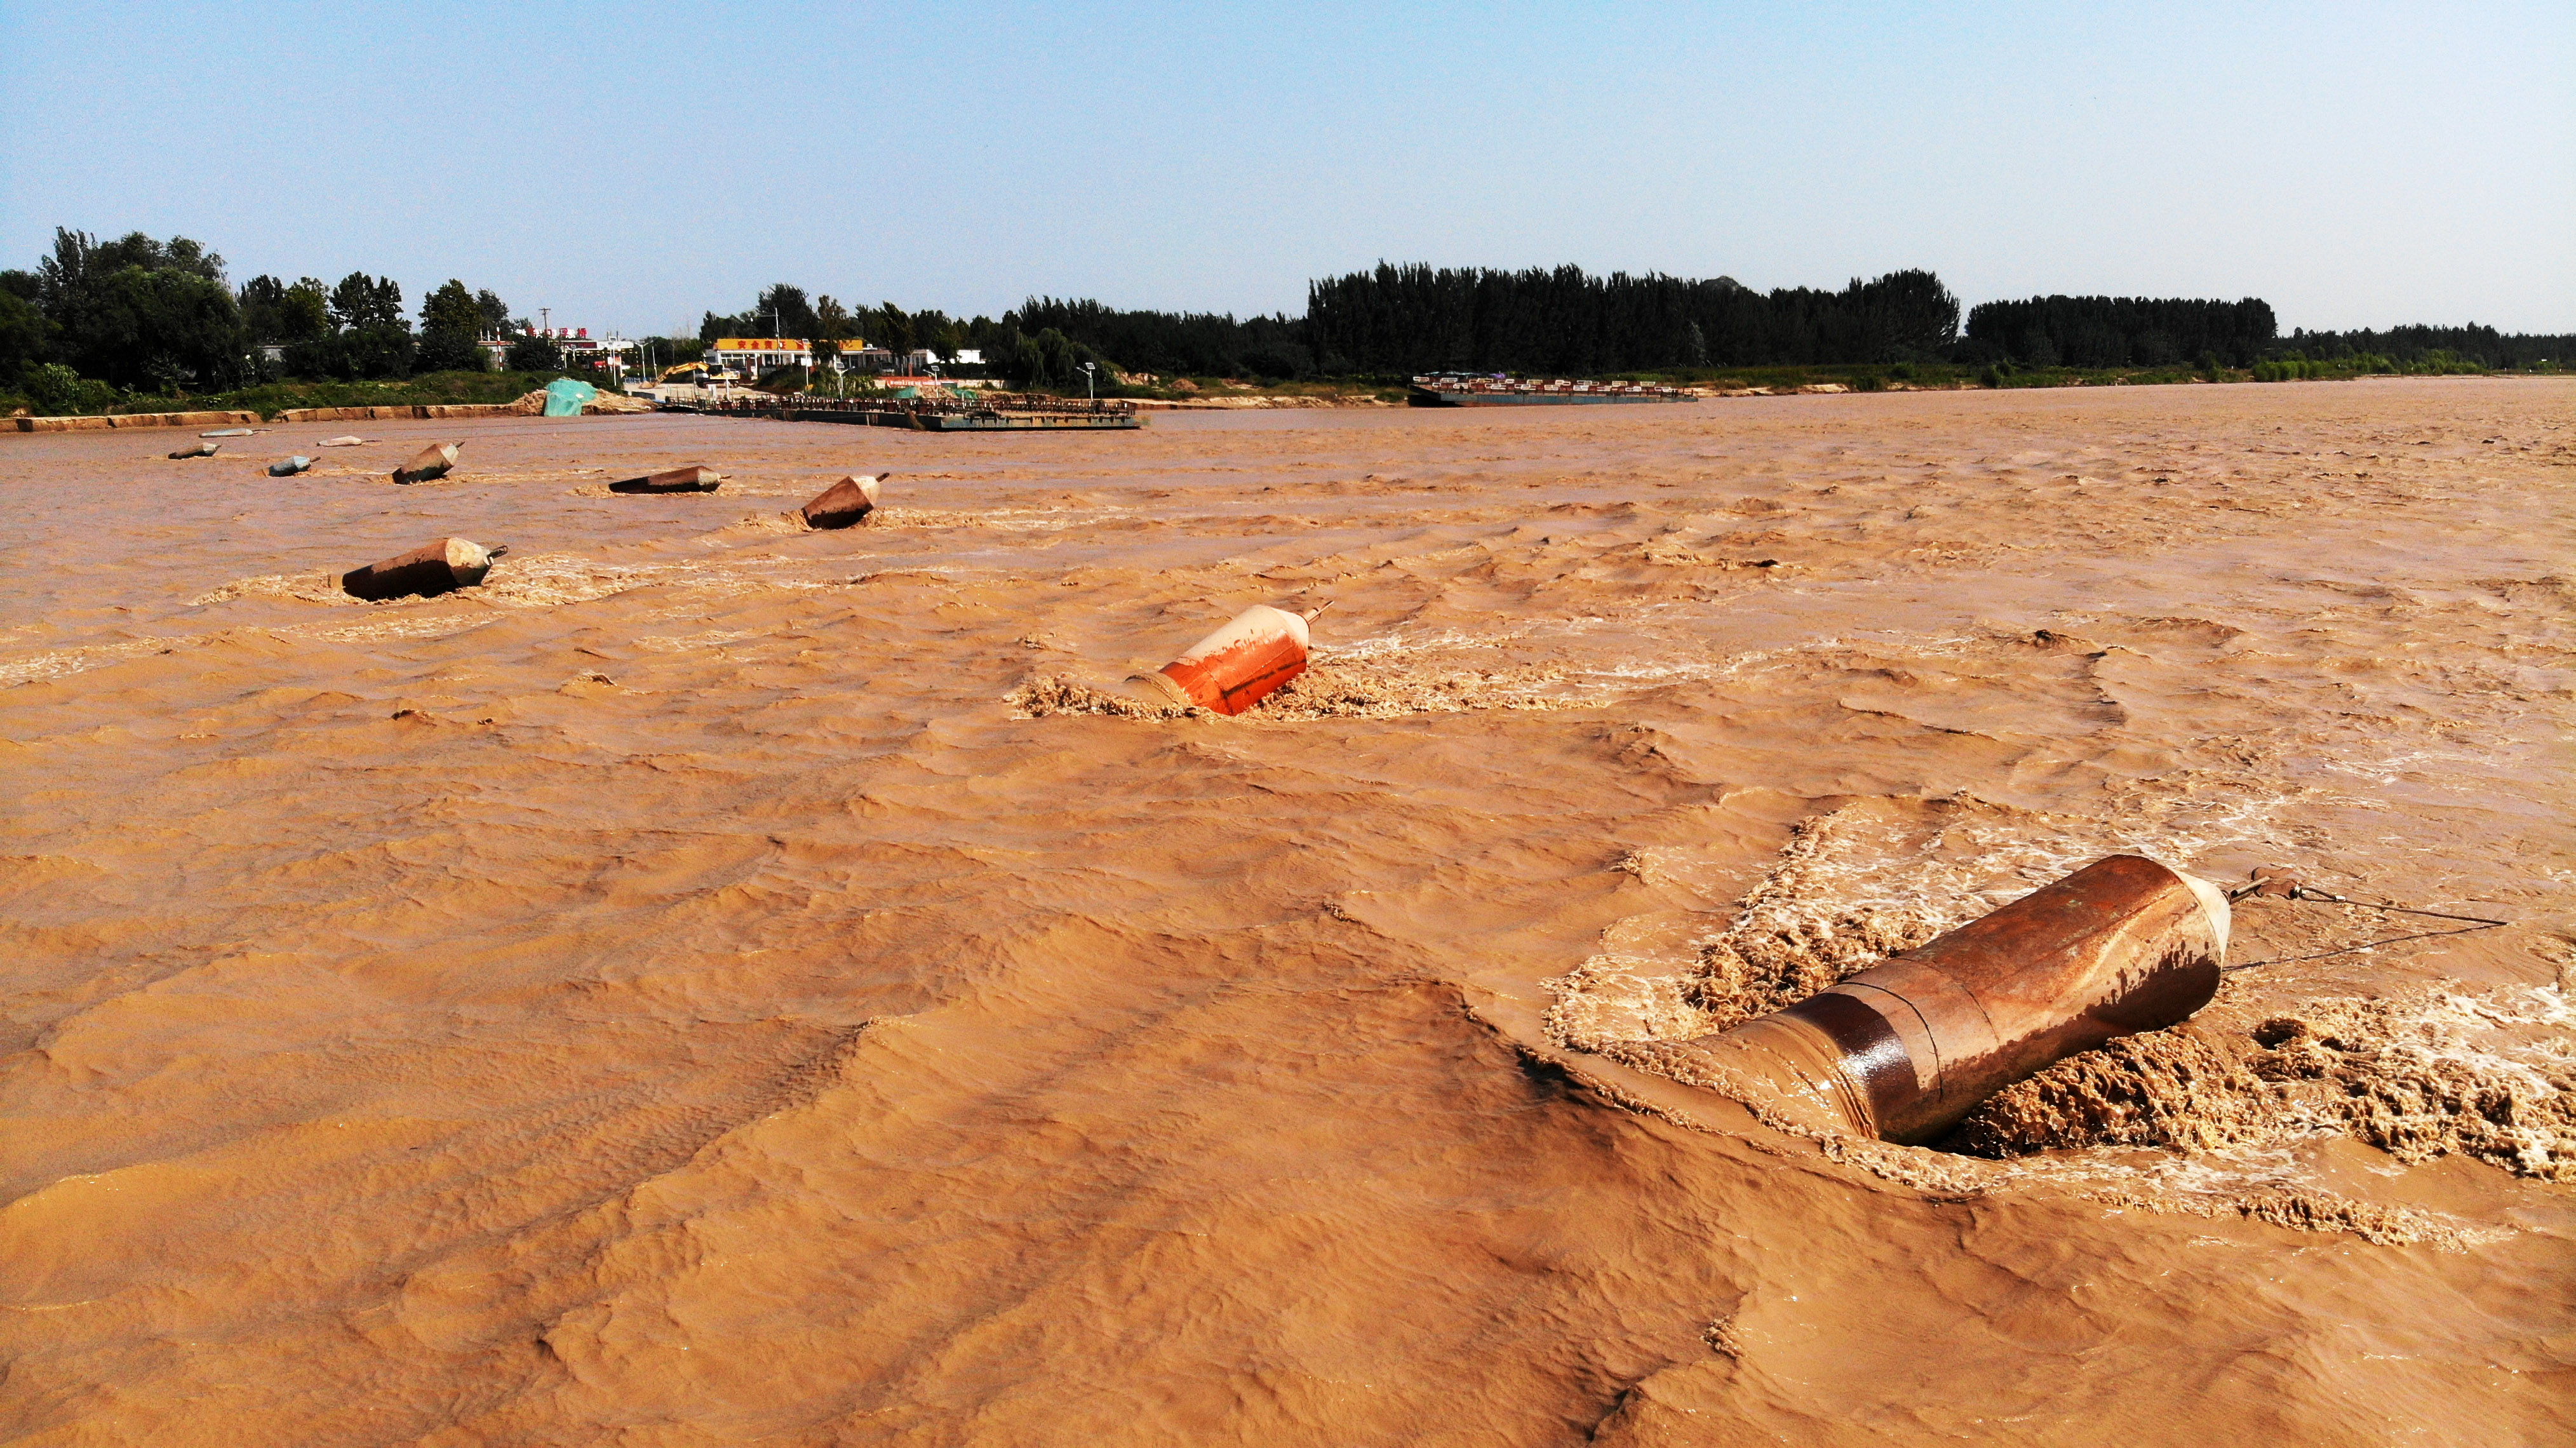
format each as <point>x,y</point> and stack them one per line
<point>1088,394</point>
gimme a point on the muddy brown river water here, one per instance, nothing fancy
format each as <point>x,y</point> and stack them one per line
<point>723,983</point>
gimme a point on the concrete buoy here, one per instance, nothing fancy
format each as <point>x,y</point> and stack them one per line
<point>201,450</point>
<point>843,503</point>
<point>430,462</point>
<point>1237,666</point>
<point>431,569</point>
<point>289,467</point>
<point>677,480</point>
<point>1905,1050</point>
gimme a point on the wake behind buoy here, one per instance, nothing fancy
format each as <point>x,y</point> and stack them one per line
<point>1237,666</point>
<point>429,570</point>
<point>1905,1050</point>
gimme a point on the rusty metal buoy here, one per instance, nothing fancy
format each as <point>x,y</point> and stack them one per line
<point>1237,666</point>
<point>201,450</point>
<point>676,480</point>
<point>429,570</point>
<point>1905,1050</point>
<point>430,462</point>
<point>843,503</point>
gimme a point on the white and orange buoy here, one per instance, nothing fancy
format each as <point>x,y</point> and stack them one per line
<point>429,570</point>
<point>1905,1050</point>
<point>844,503</point>
<point>430,462</point>
<point>1239,665</point>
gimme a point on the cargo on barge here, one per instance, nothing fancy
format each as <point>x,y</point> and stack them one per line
<point>1462,389</point>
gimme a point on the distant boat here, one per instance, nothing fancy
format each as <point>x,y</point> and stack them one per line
<point>1465,389</point>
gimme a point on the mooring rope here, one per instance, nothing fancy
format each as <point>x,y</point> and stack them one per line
<point>2277,884</point>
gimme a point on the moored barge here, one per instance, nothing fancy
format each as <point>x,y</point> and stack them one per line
<point>1462,389</point>
<point>929,414</point>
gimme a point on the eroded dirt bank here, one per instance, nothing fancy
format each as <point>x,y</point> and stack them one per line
<point>722,983</point>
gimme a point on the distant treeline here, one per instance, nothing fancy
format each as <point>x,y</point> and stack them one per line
<point>93,318</point>
<point>2480,346</point>
<point>2118,332</point>
<point>140,314</point>
<point>1043,342</point>
<point>1409,319</point>
<point>1203,344</point>
<point>1402,320</point>
<point>1406,319</point>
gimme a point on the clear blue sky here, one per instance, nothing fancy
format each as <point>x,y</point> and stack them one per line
<point>633,165</point>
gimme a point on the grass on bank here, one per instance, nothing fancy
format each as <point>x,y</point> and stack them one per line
<point>268,399</point>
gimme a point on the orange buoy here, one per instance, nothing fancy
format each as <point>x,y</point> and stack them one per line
<point>429,570</point>
<point>843,503</point>
<point>1239,665</point>
<point>429,462</point>
<point>677,480</point>
<point>1905,1050</point>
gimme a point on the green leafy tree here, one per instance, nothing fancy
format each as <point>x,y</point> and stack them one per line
<point>26,338</point>
<point>450,322</point>
<point>451,308</point>
<point>139,312</point>
<point>896,333</point>
<point>785,308</point>
<point>451,352</point>
<point>495,314</point>
<point>160,329</point>
<point>532,353</point>
<point>259,300</point>
<point>832,321</point>
<point>55,390</point>
<point>304,312</point>
<point>363,303</point>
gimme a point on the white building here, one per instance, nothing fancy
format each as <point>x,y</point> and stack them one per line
<point>749,357</point>
<point>575,343</point>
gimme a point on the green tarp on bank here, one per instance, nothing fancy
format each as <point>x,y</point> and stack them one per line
<point>564,397</point>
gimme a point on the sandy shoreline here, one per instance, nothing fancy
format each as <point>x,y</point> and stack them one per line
<point>672,993</point>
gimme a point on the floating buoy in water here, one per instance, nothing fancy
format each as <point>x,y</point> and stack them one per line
<point>843,503</point>
<point>1903,1051</point>
<point>201,450</point>
<point>430,462</point>
<point>1239,665</point>
<point>350,441</point>
<point>677,480</point>
<point>429,570</point>
<point>228,432</point>
<point>290,466</point>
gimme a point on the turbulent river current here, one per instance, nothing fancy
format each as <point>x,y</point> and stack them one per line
<point>719,982</point>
